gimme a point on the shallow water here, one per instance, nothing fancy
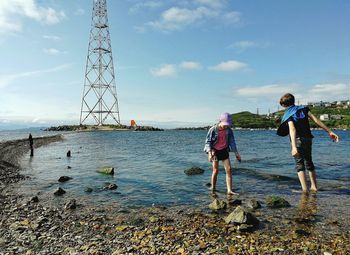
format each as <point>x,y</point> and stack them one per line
<point>149,166</point>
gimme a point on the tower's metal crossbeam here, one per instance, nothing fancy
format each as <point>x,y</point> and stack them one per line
<point>99,100</point>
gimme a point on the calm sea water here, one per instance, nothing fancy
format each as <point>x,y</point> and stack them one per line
<point>149,166</point>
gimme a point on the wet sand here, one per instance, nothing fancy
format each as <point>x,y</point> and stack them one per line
<point>314,224</point>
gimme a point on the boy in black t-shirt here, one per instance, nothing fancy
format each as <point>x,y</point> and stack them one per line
<point>295,122</point>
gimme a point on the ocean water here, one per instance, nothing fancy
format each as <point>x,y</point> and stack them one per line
<point>149,166</point>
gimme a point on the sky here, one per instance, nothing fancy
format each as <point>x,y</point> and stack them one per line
<point>177,63</point>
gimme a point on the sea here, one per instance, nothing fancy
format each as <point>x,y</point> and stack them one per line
<point>149,166</point>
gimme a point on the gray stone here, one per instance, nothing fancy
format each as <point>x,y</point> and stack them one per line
<point>72,204</point>
<point>112,186</point>
<point>235,202</point>
<point>244,227</point>
<point>59,192</point>
<point>34,199</point>
<point>88,190</point>
<point>64,178</point>
<point>241,216</point>
<point>253,204</point>
<point>217,204</point>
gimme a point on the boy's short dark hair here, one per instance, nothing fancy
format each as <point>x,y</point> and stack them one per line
<point>287,100</point>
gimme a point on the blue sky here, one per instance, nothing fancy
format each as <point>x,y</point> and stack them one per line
<point>176,62</point>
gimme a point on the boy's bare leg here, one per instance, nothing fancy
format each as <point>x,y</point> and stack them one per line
<point>227,165</point>
<point>214,175</point>
<point>302,179</point>
<point>312,175</point>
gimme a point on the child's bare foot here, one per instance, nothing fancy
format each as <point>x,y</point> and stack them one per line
<point>313,189</point>
<point>232,193</point>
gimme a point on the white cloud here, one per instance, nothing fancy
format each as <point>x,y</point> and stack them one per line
<point>6,80</point>
<point>178,18</point>
<point>232,17</point>
<point>229,66</point>
<point>333,89</point>
<point>326,92</point>
<point>190,65</point>
<point>267,90</point>
<point>52,37</point>
<point>243,44</point>
<point>150,5</point>
<point>203,11</point>
<point>164,70</point>
<point>216,4</point>
<point>53,51</point>
<point>12,11</point>
<point>79,12</point>
<point>302,93</point>
<point>246,44</point>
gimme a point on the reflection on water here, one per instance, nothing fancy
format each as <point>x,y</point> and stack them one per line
<point>307,208</point>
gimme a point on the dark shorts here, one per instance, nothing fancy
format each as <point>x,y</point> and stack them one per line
<point>222,154</point>
<point>304,160</point>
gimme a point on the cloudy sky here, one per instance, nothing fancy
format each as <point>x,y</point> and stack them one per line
<point>184,61</point>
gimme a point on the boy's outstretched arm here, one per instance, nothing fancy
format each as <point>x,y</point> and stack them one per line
<point>293,138</point>
<point>332,135</point>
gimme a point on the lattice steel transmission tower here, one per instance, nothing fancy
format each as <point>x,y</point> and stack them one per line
<point>100,94</point>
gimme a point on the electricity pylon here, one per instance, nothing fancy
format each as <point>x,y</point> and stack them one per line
<point>100,94</point>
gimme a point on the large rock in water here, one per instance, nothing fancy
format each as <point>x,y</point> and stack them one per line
<point>217,204</point>
<point>276,202</point>
<point>106,170</point>
<point>64,178</point>
<point>110,186</point>
<point>194,170</point>
<point>253,204</point>
<point>59,192</point>
<point>241,216</point>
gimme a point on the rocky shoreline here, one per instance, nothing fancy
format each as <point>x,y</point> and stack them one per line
<point>36,226</point>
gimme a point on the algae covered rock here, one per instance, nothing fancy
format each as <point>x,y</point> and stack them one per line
<point>106,170</point>
<point>194,170</point>
<point>276,202</point>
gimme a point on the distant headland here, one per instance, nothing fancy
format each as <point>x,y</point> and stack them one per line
<point>108,127</point>
<point>334,115</point>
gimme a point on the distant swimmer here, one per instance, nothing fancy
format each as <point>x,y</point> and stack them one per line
<point>218,143</point>
<point>295,122</point>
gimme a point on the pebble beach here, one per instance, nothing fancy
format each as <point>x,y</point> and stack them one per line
<point>312,224</point>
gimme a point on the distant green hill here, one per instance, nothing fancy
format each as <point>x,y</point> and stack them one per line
<point>251,120</point>
<point>344,123</point>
